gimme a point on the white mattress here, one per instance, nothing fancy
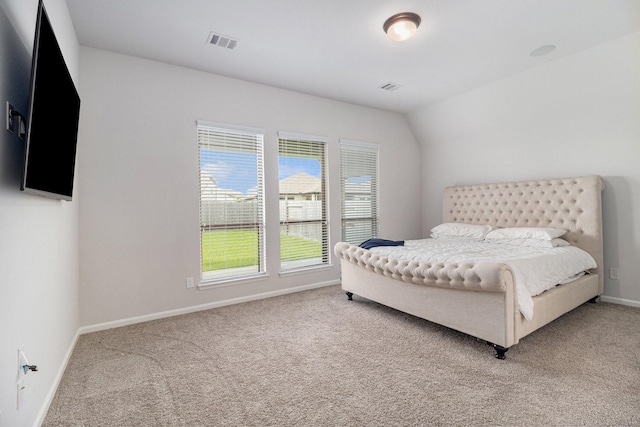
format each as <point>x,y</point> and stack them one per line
<point>535,269</point>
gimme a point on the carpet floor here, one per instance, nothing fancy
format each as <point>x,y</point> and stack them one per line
<point>315,359</point>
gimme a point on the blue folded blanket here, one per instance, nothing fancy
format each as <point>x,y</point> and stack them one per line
<point>372,243</point>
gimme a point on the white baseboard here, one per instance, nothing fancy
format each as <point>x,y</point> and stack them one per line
<point>56,382</point>
<point>621,301</point>
<point>201,307</point>
<point>216,304</point>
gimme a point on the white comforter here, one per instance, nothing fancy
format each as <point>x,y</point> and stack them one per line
<point>535,269</point>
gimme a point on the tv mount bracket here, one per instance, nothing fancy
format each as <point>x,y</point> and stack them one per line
<point>11,121</point>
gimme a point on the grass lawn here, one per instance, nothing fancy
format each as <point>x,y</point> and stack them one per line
<point>237,248</point>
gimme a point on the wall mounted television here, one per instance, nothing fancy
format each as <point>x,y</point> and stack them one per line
<point>52,120</point>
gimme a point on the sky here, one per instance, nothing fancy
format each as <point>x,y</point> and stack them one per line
<point>221,166</point>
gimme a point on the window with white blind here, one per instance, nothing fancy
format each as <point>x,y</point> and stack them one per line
<point>231,201</point>
<point>302,178</point>
<point>359,191</point>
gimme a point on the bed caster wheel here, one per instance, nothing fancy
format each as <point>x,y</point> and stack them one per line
<point>500,351</point>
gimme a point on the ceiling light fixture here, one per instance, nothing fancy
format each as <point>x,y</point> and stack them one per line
<point>401,26</point>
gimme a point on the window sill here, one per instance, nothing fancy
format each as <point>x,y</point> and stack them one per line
<point>231,281</point>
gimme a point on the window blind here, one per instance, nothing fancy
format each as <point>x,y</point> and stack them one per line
<point>231,201</point>
<point>359,163</point>
<point>303,202</point>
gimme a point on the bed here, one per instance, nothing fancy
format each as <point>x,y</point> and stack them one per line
<point>480,298</point>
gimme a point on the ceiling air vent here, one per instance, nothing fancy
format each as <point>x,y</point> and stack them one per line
<point>222,40</point>
<point>390,87</point>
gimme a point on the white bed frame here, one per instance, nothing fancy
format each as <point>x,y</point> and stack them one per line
<point>480,299</point>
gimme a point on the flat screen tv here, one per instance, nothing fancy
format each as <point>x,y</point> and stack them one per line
<point>52,120</point>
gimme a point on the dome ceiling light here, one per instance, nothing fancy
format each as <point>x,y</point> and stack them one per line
<point>401,26</point>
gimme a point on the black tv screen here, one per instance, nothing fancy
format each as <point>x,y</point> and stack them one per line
<point>52,124</point>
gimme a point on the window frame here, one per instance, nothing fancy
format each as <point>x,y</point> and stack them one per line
<point>242,134</point>
<point>292,267</point>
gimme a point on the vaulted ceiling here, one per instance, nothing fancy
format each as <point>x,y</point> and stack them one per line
<point>337,48</point>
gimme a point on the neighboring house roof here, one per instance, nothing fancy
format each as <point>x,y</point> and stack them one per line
<point>211,191</point>
<point>300,183</point>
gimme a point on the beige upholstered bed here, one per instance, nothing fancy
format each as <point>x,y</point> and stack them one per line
<point>480,299</point>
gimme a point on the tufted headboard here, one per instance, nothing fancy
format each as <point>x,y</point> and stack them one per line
<point>572,204</point>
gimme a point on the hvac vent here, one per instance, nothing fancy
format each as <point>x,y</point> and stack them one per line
<point>390,87</point>
<point>222,41</point>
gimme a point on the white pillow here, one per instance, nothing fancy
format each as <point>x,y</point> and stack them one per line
<point>459,229</point>
<point>526,233</point>
<point>533,243</point>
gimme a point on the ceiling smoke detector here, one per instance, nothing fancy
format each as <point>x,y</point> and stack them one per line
<point>222,40</point>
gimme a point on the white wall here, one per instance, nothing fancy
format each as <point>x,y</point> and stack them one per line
<point>139,172</point>
<point>38,236</point>
<point>579,115</point>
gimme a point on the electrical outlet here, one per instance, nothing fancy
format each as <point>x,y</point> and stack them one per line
<point>20,394</point>
<point>23,369</point>
<point>614,274</point>
<point>10,119</point>
<point>20,387</point>
<point>190,282</point>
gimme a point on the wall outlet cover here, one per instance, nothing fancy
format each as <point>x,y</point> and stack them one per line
<point>190,282</point>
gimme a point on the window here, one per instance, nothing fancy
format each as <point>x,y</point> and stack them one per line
<point>231,201</point>
<point>359,191</point>
<point>303,201</point>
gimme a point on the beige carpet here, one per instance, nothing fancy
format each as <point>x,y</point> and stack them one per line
<point>315,359</point>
